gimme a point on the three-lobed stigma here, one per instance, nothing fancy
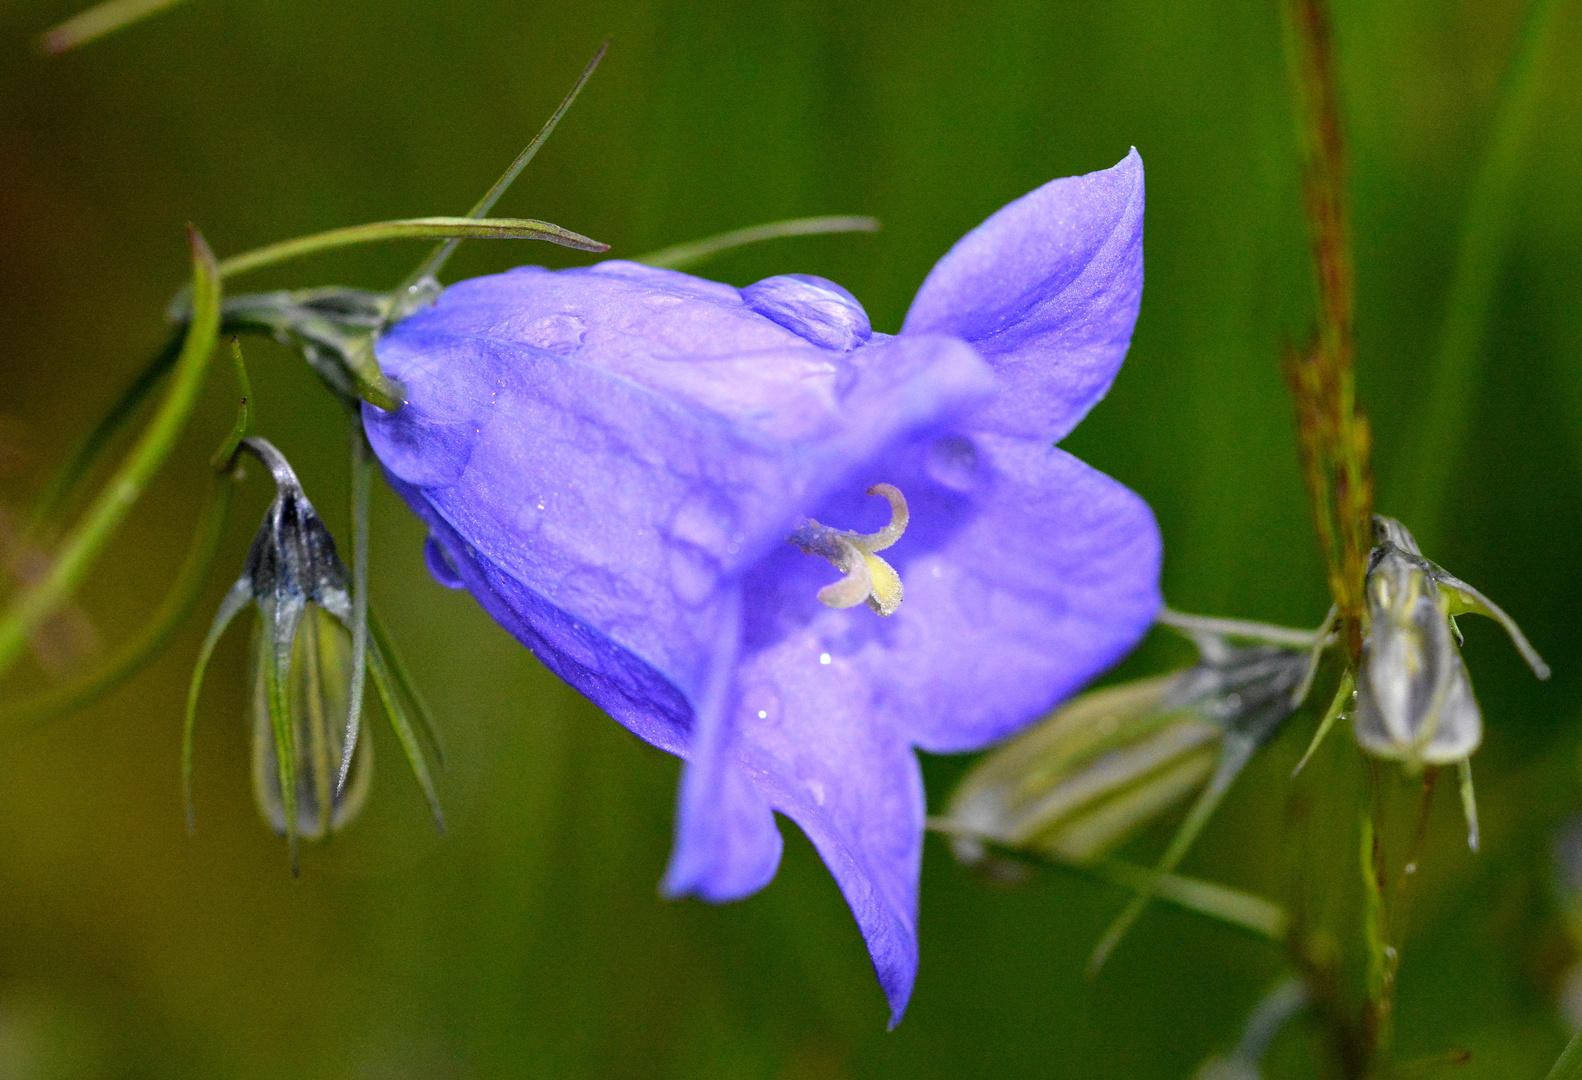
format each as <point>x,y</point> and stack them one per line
<point>868,578</point>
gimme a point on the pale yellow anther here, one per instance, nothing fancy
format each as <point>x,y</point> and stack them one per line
<point>868,543</point>
<point>867,577</point>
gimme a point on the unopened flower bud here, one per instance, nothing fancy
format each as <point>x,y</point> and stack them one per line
<point>302,670</point>
<point>1414,698</point>
<point>1078,784</point>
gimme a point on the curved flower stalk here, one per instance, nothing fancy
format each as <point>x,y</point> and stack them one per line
<point>628,468</point>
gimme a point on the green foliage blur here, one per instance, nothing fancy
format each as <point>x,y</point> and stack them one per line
<point>529,940</point>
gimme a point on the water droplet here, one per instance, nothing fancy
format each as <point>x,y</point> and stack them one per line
<point>814,309</point>
<point>440,566</point>
<point>561,333</point>
<point>763,714</point>
<point>823,658</point>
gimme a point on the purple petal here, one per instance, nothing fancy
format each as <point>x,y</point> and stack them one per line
<point>727,845</point>
<point>852,786</point>
<point>1047,289</point>
<point>803,735</point>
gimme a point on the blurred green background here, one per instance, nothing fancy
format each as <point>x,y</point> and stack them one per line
<point>530,941</point>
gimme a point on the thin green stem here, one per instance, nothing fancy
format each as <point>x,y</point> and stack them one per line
<point>237,598</point>
<point>177,606</point>
<point>362,480</point>
<point>400,724</point>
<point>1259,916</point>
<point>683,256</point>
<point>403,683</point>
<point>226,454</point>
<point>1263,633</point>
<point>1337,707</point>
<point>1375,926</point>
<point>86,541</point>
<point>1420,484</point>
<point>97,21</point>
<point>57,497</point>
<point>429,228</point>
<point>1569,1067</point>
<point>1235,751</point>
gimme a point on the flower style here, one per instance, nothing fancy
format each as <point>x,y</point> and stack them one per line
<point>629,467</point>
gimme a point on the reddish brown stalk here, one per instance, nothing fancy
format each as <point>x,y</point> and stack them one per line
<point>1334,436</point>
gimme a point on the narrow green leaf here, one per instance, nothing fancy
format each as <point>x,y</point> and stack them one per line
<point>1337,707</point>
<point>174,610</point>
<point>240,596</point>
<point>1232,906</point>
<point>404,682</point>
<point>390,696</point>
<point>1235,752</point>
<point>1262,633</point>
<point>1464,599</point>
<point>1569,1066</point>
<point>430,228</point>
<point>685,256</point>
<point>1469,802</point>
<point>97,21</point>
<point>436,260</point>
<point>226,454</point>
<point>87,540</point>
<point>1258,915</point>
<point>372,384</point>
<point>276,643</point>
<point>362,479</point>
<point>53,504</point>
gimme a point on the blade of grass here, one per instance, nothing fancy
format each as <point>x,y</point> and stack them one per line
<point>403,681</point>
<point>240,596</point>
<point>173,611</point>
<point>431,266</point>
<point>428,228</point>
<point>395,711</point>
<point>683,256</point>
<point>87,540</point>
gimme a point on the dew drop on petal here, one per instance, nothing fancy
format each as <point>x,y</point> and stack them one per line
<point>823,658</point>
<point>440,566</point>
<point>813,308</point>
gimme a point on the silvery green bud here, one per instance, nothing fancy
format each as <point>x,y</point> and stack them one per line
<point>301,663</point>
<point>302,669</point>
<point>319,688</point>
<point>1414,698</point>
<point>1078,784</point>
